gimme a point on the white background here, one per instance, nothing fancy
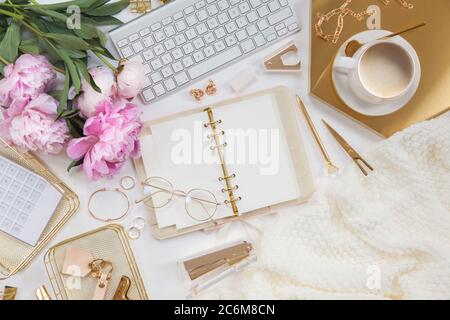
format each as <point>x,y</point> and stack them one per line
<point>157,259</point>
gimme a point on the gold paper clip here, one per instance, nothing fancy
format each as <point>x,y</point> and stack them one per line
<point>200,266</point>
<point>42,293</point>
<point>360,162</point>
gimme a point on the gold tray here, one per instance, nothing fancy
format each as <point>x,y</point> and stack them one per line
<point>15,255</point>
<point>109,243</point>
<point>432,45</point>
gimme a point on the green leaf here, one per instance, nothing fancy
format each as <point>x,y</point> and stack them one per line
<point>87,31</point>
<point>102,38</point>
<point>64,94</point>
<point>29,48</point>
<point>50,13</point>
<point>102,21</point>
<point>59,28</point>
<point>83,4</point>
<point>109,9</point>
<point>51,51</point>
<point>83,70</point>
<point>74,163</point>
<point>56,94</point>
<point>9,47</point>
<point>69,41</point>
<point>77,54</point>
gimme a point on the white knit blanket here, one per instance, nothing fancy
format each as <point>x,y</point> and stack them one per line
<point>386,236</point>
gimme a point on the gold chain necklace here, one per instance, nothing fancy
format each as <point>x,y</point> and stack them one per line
<point>342,12</point>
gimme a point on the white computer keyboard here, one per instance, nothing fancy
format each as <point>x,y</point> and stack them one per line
<point>187,40</point>
<point>27,202</point>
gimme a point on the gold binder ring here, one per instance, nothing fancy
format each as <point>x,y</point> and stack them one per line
<point>223,145</point>
<point>233,200</point>
<point>206,125</point>
<point>221,133</point>
<point>231,176</point>
<point>230,189</point>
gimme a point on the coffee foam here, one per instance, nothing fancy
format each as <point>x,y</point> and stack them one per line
<point>386,70</point>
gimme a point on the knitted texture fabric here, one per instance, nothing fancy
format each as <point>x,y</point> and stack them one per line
<point>386,236</point>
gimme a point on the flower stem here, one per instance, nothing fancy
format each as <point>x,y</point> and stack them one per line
<point>4,61</point>
<point>105,61</point>
<point>11,14</point>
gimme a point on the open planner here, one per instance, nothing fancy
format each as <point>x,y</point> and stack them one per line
<point>247,151</point>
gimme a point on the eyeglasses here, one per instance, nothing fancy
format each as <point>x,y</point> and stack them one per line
<point>201,205</point>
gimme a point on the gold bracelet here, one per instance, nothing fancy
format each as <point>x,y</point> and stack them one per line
<point>109,219</point>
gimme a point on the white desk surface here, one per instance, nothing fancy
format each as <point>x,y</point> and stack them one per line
<point>157,259</point>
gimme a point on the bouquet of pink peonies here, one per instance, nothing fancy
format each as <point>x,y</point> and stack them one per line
<point>92,113</point>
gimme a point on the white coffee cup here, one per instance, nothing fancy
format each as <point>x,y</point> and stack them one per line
<point>379,72</point>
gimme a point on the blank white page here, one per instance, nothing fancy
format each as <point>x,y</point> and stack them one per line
<point>162,153</point>
<point>258,153</point>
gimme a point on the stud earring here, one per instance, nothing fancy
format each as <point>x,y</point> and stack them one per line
<point>198,94</point>
<point>211,88</point>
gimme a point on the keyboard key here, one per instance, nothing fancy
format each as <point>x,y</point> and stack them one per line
<point>248,46</point>
<point>148,54</point>
<point>191,34</point>
<point>147,68</point>
<point>255,3</point>
<point>252,16</point>
<point>188,48</point>
<point>158,49</point>
<point>178,16</point>
<point>223,4</point>
<point>169,31</point>
<point>293,27</point>
<point>127,52</point>
<point>181,78</point>
<point>191,20</point>
<point>170,84</point>
<point>156,64</point>
<point>122,43</point>
<point>231,27</point>
<point>209,38</point>
<point>209,51</point>
<point>241,35</point>
<point>188,61</point>
<point>159,36</point>
<point>274,6</point>
<point>252,30</point>
<point>147,82</point>
<point>214,62</point>
<point>137,58</point>
<point>166,59</point>
<point>148,41</point>
<point>219,46</point>
<point>220,33</point>
<point>177,54</point>
<point>156,77</point>
<point>259,40</point>
<point>282,32</point>
<point>202,15</point>
<point>159,89</point>
<point>212,10</point>
<point>144,32</point>
<point>138,47</point>
<point>263,11</point>
<point>156,26</point>
<point>180,39</point>
<point>230,40</point>
<point>280,16</point>
<point>233,13</point>
<point>212,23</point>
<point>223,18</point>
<point>244,7</point>
<point>148,94</point>
<point>167,72</point>
<point>201,29</point>
<point>198,56</point>
<point>166,21</point>
<point>177,66</point>
<point>200,4</point>
<point>189,10</point>
<point>198,43</point>
<point>180,25</point>
<point>133,37</point>
<point>169,44</point>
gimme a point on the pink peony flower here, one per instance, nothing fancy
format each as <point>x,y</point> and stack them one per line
<point>28,77</point>
<point>31,125</point>
<point>90,99</point>
<point>111,137</point>
<point>130,79</point>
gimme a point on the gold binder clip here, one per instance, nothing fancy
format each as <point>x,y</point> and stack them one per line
<point>202,265</point>
<point>275,62</point>
<point>140,6</point>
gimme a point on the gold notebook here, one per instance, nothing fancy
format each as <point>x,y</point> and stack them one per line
<point>252,142</point>
<point>432,46</point>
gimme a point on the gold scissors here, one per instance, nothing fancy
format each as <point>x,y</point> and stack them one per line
<point>360,162</point>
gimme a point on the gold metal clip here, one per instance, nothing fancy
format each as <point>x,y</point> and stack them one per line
<point>275,61</point>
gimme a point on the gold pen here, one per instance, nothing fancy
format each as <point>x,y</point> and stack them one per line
<point>331,168</point>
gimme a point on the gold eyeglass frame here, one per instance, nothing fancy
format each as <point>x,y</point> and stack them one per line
<point>180,193</point>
